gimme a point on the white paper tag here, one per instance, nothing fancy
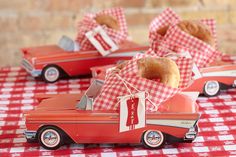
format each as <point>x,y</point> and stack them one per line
<point>101,41</point>
<point>132,112</point>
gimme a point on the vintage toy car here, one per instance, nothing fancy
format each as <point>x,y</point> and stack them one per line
<point>70,117</point>
<point>53,61</point>
<point>211,81</point>
<point>214,78</point>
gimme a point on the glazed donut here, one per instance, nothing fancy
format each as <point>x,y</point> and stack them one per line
<point>194,28</point>
<point>107,20</point>
<point>163,68</point>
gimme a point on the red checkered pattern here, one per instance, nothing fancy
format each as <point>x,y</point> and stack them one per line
<point>88,23</point>
<point>211,23</point>
<point>217,126</point>
<point>166,18</point>
<point>158,92</point>
<point>202,53</point>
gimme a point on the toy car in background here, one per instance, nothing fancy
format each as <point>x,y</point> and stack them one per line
<point>53,61</point>
<point>213,79</point>
<point>70,117</point>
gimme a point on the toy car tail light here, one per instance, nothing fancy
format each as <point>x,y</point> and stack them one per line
<point>24,51</point>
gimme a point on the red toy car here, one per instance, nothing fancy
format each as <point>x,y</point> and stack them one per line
<point>211,80</point>
<point>52,61</point>
<point>62,118</point>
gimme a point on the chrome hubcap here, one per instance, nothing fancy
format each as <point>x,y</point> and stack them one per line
<point>212,87</point>
<point>50,138</point>
<point>153,138</point>
<point>51,74</point>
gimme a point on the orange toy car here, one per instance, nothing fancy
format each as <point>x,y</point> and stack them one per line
<point>53,61</point>
<point>62,118</point>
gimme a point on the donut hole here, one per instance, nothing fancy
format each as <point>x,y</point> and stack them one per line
<point>163,70</point>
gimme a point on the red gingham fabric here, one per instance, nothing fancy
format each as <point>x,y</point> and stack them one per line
<point>167,17</point>
<point>158,92</point>
<point>217,125</point>
<point>202,53</point>
<point>88,23</point>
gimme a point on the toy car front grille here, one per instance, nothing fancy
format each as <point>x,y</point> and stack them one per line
<point>27,65</point>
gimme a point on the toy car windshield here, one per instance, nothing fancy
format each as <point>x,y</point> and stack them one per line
<point>68,44</point>
<point>86,102</point>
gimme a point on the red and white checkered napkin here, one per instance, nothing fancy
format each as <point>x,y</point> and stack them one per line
<point>201,52</point>
<point>88,23</point>
<point>156,91</point>
<point>175,38</point>
<point>166,18</point>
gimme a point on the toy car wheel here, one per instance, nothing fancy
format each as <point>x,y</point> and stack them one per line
<point>51,74</point>
<point>153,139</point>
<point>50,138</point>
<point>31,140</point>
<point>211,88</point>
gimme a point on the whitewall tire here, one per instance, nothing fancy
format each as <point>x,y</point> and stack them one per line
<point>153,139</point>
<point>50,138</point>
<point>51,74</point>
<point>211,88</point>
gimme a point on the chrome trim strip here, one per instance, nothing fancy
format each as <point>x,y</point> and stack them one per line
<point>126,54</point>
<point>27,65</point>
<point>74,59</point>
<point>173,123</point>
<point>226,73</point>
<point>30,69</point>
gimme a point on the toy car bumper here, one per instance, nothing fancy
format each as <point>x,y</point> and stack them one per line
<point>234,84</point>
<point>191,134</point>
<point>30,135</point>
<point>29,68</point>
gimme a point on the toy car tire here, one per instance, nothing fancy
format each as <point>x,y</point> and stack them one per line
<point>50,138</point>
<point>51,74</point>
<point>211,88</point>
<point>31,140</point>
<point>153,139</point>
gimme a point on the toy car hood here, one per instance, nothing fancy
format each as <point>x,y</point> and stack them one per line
<point>42,51</point>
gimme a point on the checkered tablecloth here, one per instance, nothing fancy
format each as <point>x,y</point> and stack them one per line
<point>217,126</point>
